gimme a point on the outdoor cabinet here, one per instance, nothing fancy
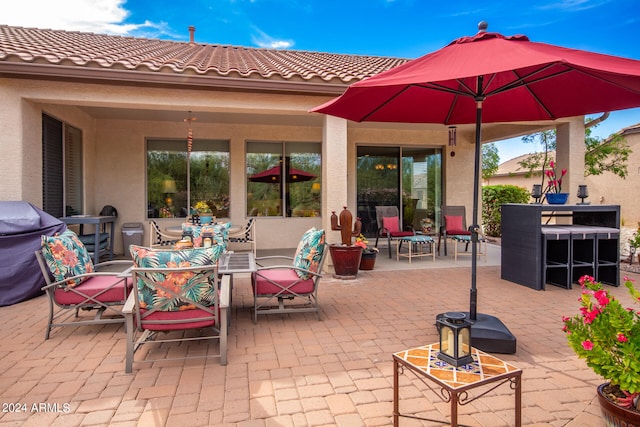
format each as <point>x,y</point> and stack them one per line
<point>557,244</point>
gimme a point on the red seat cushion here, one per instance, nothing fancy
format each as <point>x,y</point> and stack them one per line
<point>93,286</point>
<point>401,234</point>
<point>283,276</point>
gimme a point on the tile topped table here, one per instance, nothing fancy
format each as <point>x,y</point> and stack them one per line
<point>455,382</point>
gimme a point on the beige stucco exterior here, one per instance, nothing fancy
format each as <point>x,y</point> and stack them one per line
<point>115,119</point>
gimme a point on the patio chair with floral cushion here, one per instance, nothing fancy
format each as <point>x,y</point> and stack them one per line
<point>176,297</point>
<point>291,288</point>
<point>73,283</point>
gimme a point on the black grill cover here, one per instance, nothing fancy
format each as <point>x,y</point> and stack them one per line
<point>21,225</point>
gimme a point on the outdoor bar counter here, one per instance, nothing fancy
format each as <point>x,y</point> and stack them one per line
<point>557,244</point>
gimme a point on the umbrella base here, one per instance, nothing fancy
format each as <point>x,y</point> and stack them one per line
<point>490,335</point>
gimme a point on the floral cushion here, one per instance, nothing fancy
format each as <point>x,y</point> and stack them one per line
<point>149,297</point>
<point>309,252</point>
<point>220,233</point>
<point>66,256</point>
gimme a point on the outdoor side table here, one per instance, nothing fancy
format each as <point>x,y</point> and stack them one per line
<point>231,263</point>
<point>416,247</point>
<point>454,383</point>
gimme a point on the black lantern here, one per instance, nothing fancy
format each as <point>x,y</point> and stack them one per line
<point>455,339</point>
<point>583,193</point>
<point>187,235</point>
<point>536,192</point>
<point>207,239</point>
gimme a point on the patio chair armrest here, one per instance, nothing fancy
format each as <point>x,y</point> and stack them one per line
<point>273,267</point>
<point>130,304</point>
<point>382,231</point>
<point>273,257</point>
<point>309,272</point>
<point>123,262</point>
<point>225,291</point>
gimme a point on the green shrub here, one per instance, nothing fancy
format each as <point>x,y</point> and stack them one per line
<point>493,196</point>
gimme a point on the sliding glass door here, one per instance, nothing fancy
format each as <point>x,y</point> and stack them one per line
<point>409,178</point>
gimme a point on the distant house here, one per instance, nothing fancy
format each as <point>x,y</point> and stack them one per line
<point>606,188</point>
<point>152,127</point>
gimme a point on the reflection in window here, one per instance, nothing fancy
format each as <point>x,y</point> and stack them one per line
<point>283,179</point>
<point>409,178</point>
<point>177,180</point>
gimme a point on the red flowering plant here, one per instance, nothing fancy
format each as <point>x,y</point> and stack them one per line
<point>607,336</point>
<point>555,183</point>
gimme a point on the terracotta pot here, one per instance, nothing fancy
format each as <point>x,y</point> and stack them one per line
<point>346,260</point>
<point>614,415</point>
<point>368,260</point>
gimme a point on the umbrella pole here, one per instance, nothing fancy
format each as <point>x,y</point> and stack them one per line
<point>473,304</point>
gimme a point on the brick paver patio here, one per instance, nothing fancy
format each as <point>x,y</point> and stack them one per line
<point>297,371</point>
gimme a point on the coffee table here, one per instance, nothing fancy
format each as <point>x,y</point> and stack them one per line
<point>455,382</point>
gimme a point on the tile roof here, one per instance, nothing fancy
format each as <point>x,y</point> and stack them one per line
<point>90,51</point>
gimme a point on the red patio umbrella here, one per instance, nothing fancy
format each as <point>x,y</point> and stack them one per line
<point>492,78</point>
<point>272,175</point>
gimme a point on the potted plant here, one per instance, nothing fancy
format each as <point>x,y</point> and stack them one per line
<point>204,211</point>
<point>368,259</point>
<point>555,196</point>
<point>607,336</point>
<point>346,257</point>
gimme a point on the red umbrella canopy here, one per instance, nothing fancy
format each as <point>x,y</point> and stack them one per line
<point>519,80</point>
<point>272,175</point>
<point>491,78</point>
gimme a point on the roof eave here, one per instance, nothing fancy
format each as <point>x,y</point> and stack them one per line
<point>203,81</point>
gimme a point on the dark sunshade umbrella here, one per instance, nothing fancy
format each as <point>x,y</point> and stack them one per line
<point>272,175</point>
<point>492,78</point>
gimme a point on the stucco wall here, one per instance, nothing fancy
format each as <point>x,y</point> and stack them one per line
<point>114,151</point>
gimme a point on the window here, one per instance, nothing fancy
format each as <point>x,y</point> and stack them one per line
<point>177,180</point>
<point>283,179</point>
<point>62,179</point>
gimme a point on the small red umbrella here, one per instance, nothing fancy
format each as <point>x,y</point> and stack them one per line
<point>272,175</point>
<point>492,78</point>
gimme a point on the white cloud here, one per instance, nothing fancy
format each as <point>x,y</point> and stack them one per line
<point>96,16</point>
<point>266,41</point>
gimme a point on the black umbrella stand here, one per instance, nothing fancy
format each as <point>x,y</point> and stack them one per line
<point>488,333</point>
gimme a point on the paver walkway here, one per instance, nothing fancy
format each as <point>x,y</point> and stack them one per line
<point>297,371</point>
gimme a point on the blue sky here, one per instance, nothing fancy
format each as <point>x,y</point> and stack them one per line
<point>398,28</point>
